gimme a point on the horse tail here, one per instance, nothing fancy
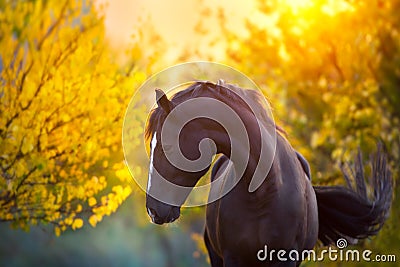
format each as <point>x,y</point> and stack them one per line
<point>348,212</point>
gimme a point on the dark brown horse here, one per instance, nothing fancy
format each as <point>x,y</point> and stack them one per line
<point>284,212</point>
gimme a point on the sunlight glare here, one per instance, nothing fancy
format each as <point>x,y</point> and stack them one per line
<point>296,5</point>
<point>329,7</point>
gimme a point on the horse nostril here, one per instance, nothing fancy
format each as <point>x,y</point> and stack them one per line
<point>152,213</point>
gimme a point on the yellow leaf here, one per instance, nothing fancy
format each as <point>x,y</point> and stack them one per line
<point>68,221</point>
<point>105,164</point>
<point>78,223</point>
<point>93,220</point>
<point>63,174</point>
<point>79,208</point>
<point>99,217</point>
<point>86,165</point>
<point>117,189</point>
<point>57,231</point>
<point>127,191</point>
<point>92,201</point>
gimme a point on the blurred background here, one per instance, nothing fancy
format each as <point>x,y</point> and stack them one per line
<point>330,69</point>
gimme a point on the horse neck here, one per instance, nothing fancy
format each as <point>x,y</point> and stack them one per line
<point>256,141</point>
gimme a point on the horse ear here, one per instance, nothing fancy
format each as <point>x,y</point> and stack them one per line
<point>163,101</point>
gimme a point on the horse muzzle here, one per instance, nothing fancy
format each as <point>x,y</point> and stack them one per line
<point>163,214</point>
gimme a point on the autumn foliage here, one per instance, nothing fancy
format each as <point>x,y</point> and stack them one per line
<point>62,102</point>
<point>331,71</point>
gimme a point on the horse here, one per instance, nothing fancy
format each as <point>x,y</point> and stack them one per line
<point>285,212</point>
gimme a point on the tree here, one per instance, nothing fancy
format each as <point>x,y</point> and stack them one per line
<point>62,102</point>
<point>331,71</point>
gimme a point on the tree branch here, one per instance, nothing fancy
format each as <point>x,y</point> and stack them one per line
<point>26,176</point>
<point>53,26</point>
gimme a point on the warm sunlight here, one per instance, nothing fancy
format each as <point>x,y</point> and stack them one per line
<point>332,8</point>
<point>297,5</point>
<point>311,15</point>
<point>328,7</point>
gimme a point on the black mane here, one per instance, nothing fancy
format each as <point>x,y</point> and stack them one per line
<point>226,93</point>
